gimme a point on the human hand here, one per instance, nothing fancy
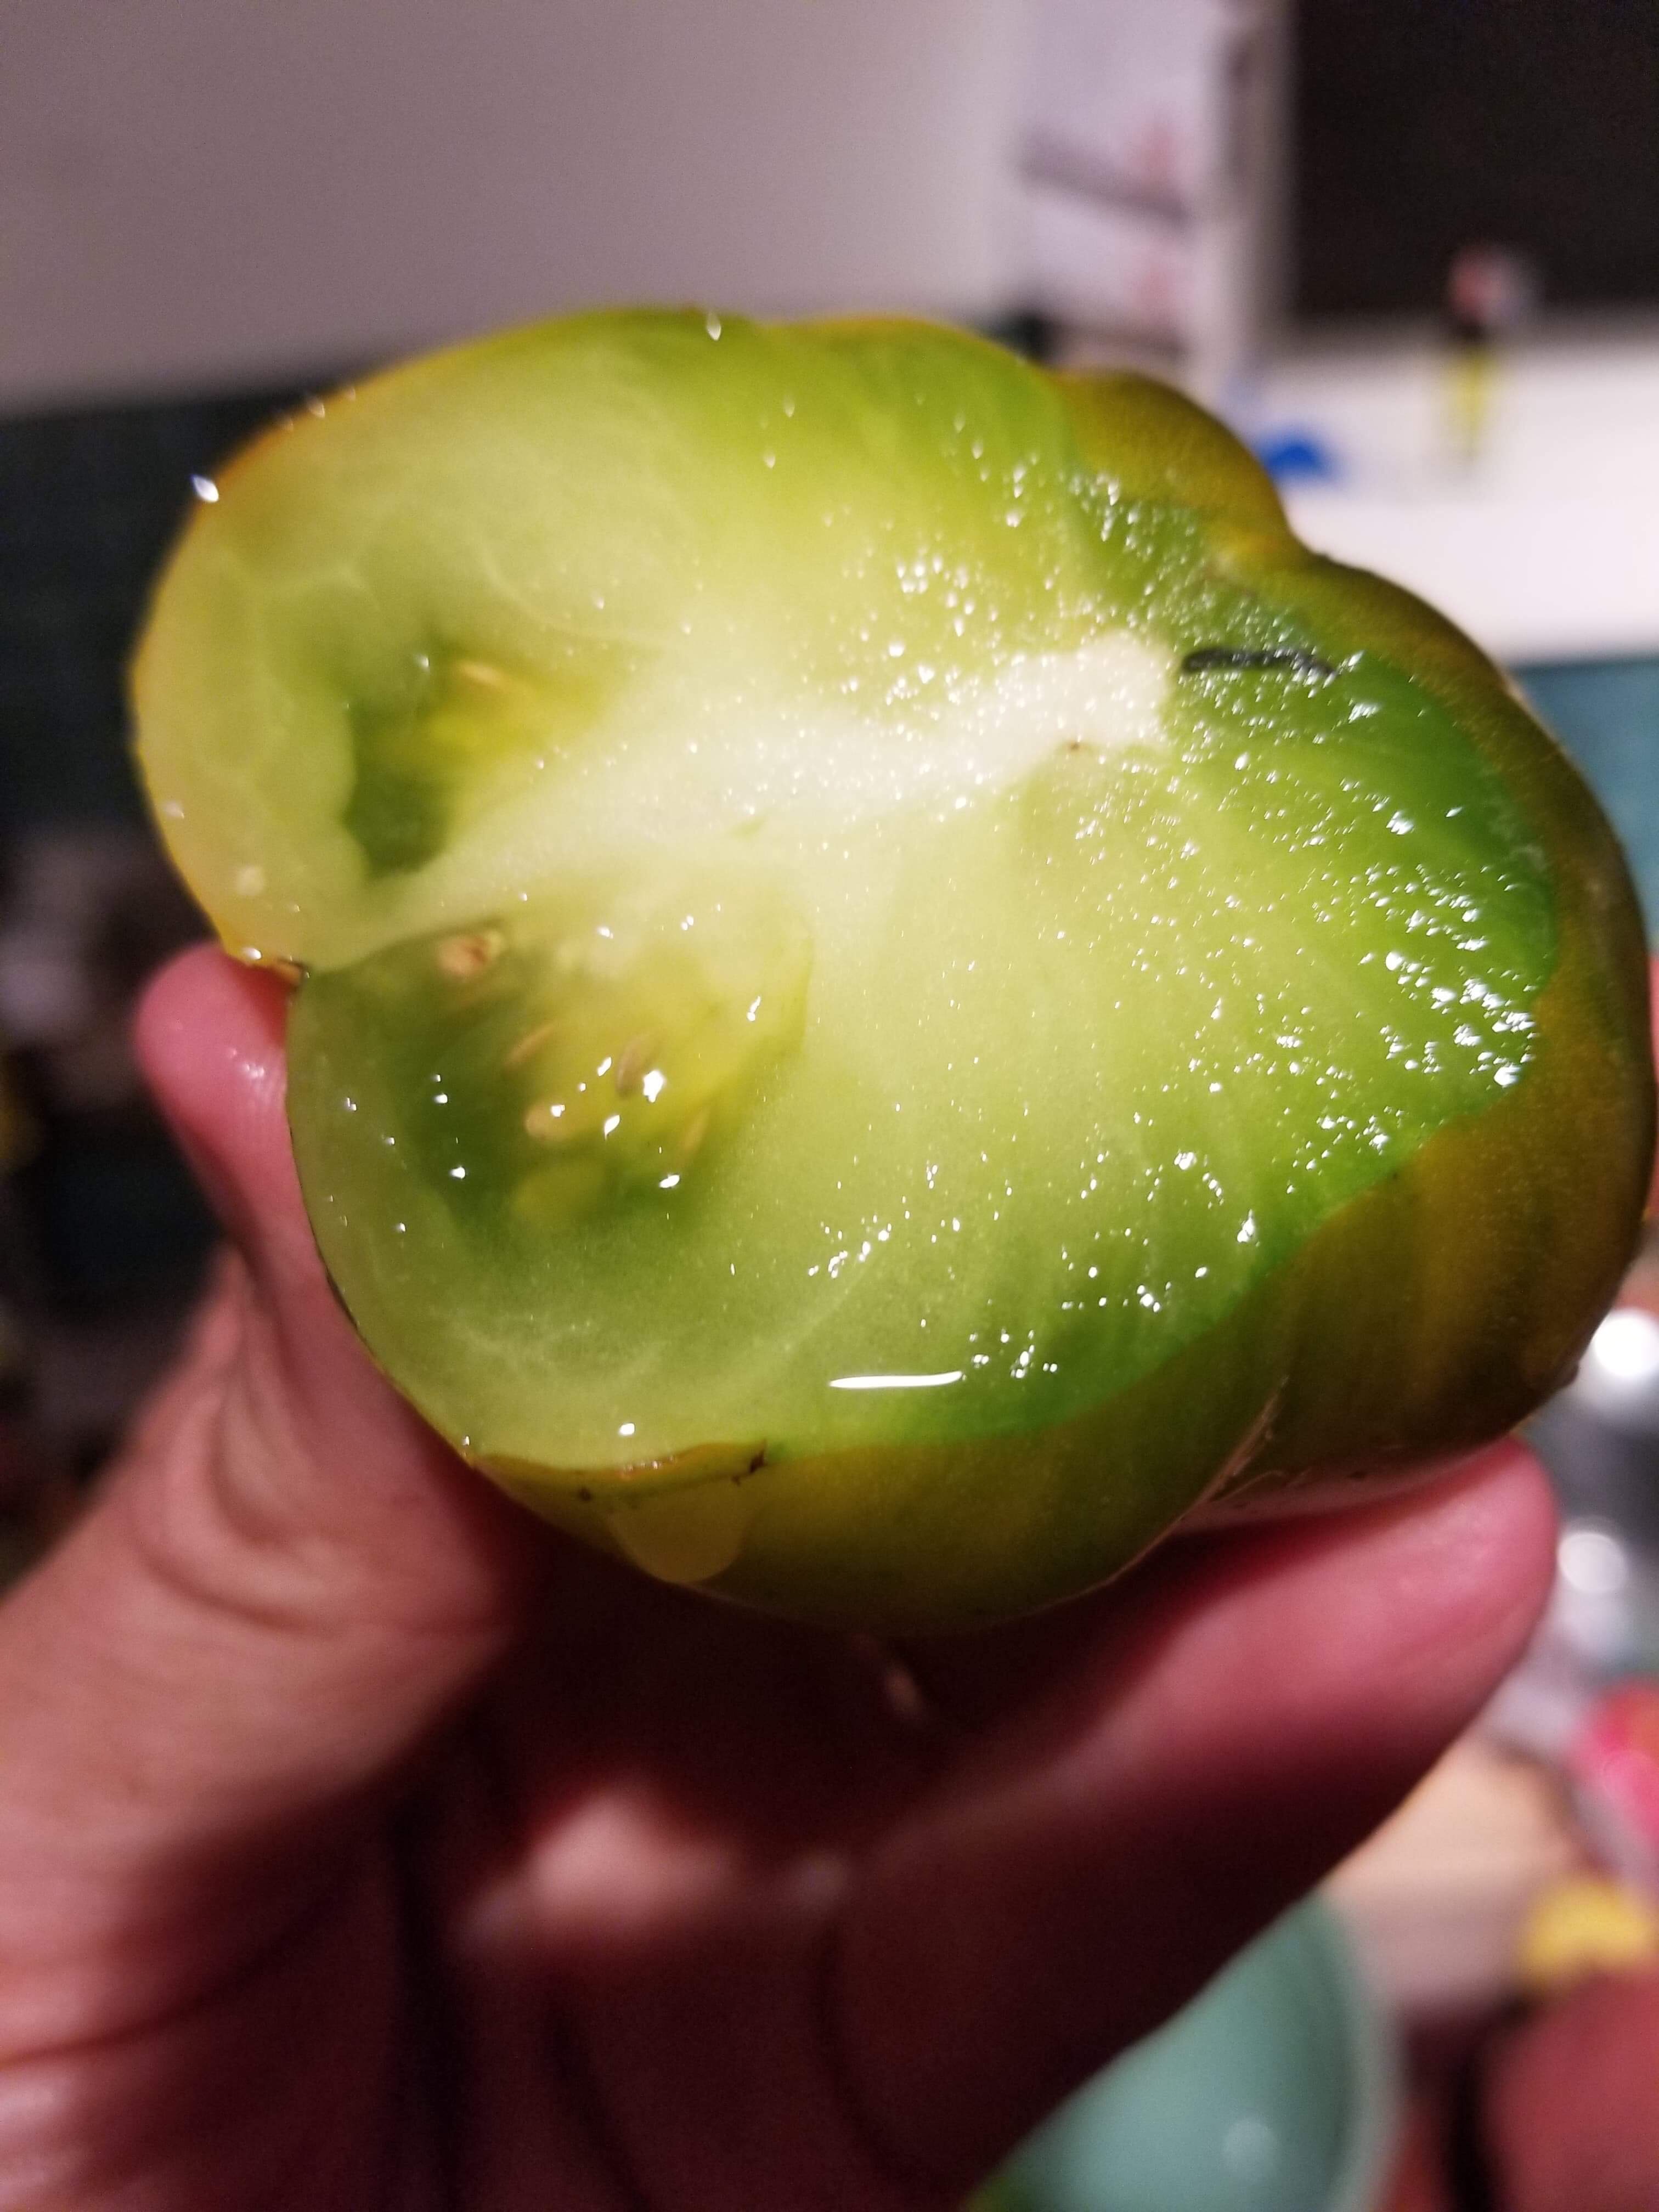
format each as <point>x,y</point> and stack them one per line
<point>363,1845</point>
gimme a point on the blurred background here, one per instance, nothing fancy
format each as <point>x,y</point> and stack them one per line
<point>1409,248</point>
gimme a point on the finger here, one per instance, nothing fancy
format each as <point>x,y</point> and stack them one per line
<point>359,1479</point>
<point>997,1676</point>
<point>1257,1708</point>
<point>285,1585</point>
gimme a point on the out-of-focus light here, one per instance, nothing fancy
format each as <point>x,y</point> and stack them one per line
<point>1627,1345</point>
<point>1592,1561</point>
<point>204,487</point>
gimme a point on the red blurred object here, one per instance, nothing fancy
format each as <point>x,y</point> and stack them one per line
<point>1571,2103</point>
<point>1614,1762</point>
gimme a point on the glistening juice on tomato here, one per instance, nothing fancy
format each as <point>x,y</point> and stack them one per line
<point>898,986</point>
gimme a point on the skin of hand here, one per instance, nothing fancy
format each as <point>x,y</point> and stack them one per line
<point>365,1848</point>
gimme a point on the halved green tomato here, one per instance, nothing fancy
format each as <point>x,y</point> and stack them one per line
<point>898,986</point>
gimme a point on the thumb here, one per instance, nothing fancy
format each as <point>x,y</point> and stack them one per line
<point>328,1484</point>
<point>280,1589</point>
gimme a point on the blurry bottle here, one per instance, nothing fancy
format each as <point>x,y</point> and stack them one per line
<point>1491,292</point>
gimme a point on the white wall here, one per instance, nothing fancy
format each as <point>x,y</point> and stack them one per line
<point>205,192</point>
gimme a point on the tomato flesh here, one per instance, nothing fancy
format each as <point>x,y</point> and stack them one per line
<point>894,976</point>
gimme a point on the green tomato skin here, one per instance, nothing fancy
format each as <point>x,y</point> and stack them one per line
<point>1393,1311</point>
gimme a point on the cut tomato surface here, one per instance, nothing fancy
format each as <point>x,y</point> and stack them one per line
<point>897,984</point>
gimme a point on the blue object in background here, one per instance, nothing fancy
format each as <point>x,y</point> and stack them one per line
<point>1606,713</point>
<point>1277,2090</point>
<point>1297,456</point>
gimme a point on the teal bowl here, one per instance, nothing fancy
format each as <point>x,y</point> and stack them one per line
<point>1276,2090</point>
